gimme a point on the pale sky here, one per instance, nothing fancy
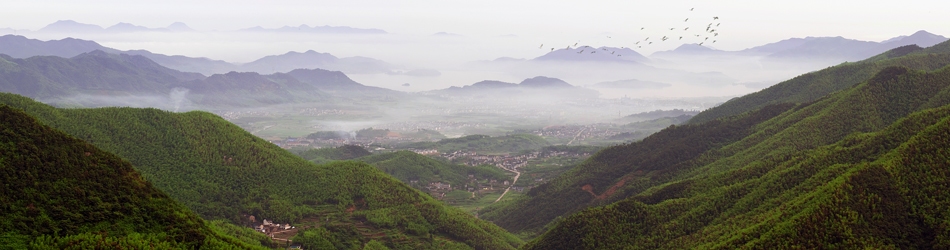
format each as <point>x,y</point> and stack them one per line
<point>745,23</point>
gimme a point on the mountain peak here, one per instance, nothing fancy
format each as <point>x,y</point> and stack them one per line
<point>543,81</point>
<point>71,26</point>
<point>179,26</point>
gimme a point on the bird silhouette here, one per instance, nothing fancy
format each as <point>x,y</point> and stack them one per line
<point>648,38</point>
<point>715,18</point>
<point>542,45</point>
<point>575,44</point>
<point>691,9</point>
<point>687,28</point>
<point>638,42</point>
<point>639,47</point>
<point>672,28</point>
<point>650,43</point>
<point>701,44</point>
<point>717,34</point>
<point>612,52</point>
<point>552,49</point>
<point>717,25</point>
<point>641,28</point>
<point>714,41</point>
<point>687,20</point>
<point>681,38</point>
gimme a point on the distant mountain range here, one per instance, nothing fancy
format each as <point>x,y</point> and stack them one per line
<point>98,73</point>
<point>73,27</point>
<point>539,86</point>
<point>811,48</point>
<point>22,47</point>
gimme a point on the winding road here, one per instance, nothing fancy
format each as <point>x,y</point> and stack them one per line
<point>517,174</point>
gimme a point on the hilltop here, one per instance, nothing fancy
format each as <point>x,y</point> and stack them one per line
<point>221,171</point>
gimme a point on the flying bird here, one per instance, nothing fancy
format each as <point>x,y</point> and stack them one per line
<point>691,9</point>
<point>672,28</point>
<point>687,28</point>
<point>687,20</point>
<point>717,25</point>
<point>715,18</point>
<point>575,44</point>
<point>681,38</point>
<point>552,49</point>
<point>542,45</point>
<point>641,28</point>
<point>700,44</point>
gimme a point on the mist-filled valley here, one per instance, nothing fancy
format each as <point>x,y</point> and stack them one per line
<point>417,126</point>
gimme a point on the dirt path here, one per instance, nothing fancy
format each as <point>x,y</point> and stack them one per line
<point>517,174</point>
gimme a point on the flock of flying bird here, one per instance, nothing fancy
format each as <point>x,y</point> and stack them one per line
<point>712,31</point>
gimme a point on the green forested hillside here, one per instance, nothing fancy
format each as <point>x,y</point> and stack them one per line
<point>812,86</point>
<point>59,192</point>
<point>856,169</point>
<point>221,171</point>
<point>324,155</point>
<point>485,144</point>
<point>407,166</point>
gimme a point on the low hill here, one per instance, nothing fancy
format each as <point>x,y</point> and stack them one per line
<point>324,155</point>
<point>484,144</point>
<point>408,166</point>
<point>221,171</point>
<point>62,192</point>
<point>783,176</point>
<point>812,86</point>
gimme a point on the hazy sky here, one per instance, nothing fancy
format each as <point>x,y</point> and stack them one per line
<point>744,23</point>
<point>489,28</point>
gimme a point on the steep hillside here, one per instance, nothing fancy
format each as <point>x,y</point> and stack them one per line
<point>221,171</point>
<point>812,86</point>
<point>60,191</point>
<point>857,168</point>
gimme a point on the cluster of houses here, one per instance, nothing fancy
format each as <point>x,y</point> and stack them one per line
<point>505,161</point>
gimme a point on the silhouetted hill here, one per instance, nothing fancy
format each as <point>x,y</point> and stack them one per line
<point>22,47</point>
<point>920,38</point>
<point>316,60</point>
<point>338,83</point>
<point>588,54</point>
<point>540,88</point>
<point>61,192</point>
<point>544,82</point>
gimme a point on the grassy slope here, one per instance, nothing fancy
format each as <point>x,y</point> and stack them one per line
<point>60,191</point>
<point>221,171</point>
